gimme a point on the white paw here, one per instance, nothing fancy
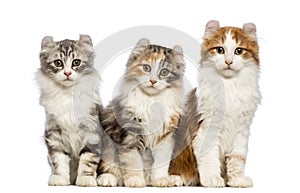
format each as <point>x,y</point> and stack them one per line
<point>86,181</point>
<point>161,182</point>
<point>212,181</point>
<point>57,180</point>
<point>107,180</point>
<point>135,182</point>
<point>240,182</point>
<point>176,180</point>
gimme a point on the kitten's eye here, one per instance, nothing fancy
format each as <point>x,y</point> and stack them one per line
<point>76,62</point>
<point>58,63</point>
<point>220,50</point>
<point>238,51</point>
<point>146,68</point>
<point>164,72</point>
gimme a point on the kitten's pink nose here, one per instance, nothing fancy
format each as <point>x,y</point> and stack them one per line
<point>228,62</point>
<point>67,73</point>
<point>153,81</point>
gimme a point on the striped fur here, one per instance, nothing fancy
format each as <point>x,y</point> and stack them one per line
<point>141,121</point>
<point>70,97</point>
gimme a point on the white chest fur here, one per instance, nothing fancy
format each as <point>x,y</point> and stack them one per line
<point>233,100</point>
<point>155,112</point>
<point>70,106</point>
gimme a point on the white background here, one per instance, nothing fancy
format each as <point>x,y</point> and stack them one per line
<point>273,159</point>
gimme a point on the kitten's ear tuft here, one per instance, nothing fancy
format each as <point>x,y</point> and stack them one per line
<point>86,39</point>
<point>47,41</point>
<point>211,27</point>
<point>177,50</point>
<point>143,43</point>
<point>250,29</point>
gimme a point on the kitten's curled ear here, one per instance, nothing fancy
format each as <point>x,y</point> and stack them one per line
<point>86,39</point>
<point>47,41</point>
<point>143,43</point>
<point>177,50</point>
<point>250,29</point>
<point>211,27</point>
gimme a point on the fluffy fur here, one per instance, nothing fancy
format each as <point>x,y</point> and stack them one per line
<point>226,100</point>
<point>69,93</point>
<point>141,121</point>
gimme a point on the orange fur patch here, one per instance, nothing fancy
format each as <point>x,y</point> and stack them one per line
<point>235,166</point>
<point>185,165</point>
<point>241,38</point>
<point>154,57</point>
<point>169,129</point>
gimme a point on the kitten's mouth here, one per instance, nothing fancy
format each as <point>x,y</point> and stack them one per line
<point>152,88</point>
<point>229,69</point>
<point>68,80</point>
<point>228,72</point>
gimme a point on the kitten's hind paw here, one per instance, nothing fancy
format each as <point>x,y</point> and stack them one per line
<point>135,182</point>
<point>176,180</point>
<point>212,181</point>
<point>107,180</point>
<point>240,182</point>
<point>57,180</point>
<point>89,181</point>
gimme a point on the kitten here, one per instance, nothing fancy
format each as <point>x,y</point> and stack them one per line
<point>142,119</point>
<point>214,132</point>
<point>68,83</point>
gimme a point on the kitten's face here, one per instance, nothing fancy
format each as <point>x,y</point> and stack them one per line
<point>66,61</point>
<point>230,49</point>
<point>155,68</point>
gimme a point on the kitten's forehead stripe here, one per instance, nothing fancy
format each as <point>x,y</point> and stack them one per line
<point>67,47</point>
<point>158,54</point>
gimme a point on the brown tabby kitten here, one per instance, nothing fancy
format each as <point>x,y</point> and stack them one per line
<point>141,121</point>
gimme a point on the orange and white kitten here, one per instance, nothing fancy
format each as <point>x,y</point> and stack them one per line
<point>214,131</point>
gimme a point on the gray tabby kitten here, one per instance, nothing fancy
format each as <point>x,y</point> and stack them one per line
<point>141,121</point>
<point>69,94</point>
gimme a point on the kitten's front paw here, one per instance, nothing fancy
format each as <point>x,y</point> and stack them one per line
<point>107,180</point>
<point>161,182</point>
<point>57,180</point>
<point>135,182</point>
<point>240,182</point>
<point>212,181</point>
<point>86,181</point>
<point>176,180</point>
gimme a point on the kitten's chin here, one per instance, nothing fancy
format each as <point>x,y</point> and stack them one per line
<point>228,73</point>
<point>151,90</point>
<point>67,83</point>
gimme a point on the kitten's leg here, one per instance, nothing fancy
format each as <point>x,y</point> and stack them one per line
<point>160,168</point>
<point>206,150</point>
<point>90,154</point>
<point>60,169</point>
<point>235,160</point>
<point>59,159</point>
<point>132,168</point>
<point>87,169</point>
<point>109,170</point>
